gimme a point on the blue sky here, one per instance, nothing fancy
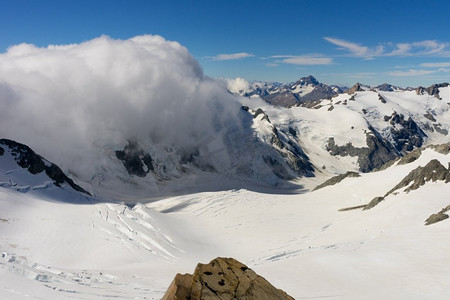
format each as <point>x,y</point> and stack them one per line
<point>406,43</point>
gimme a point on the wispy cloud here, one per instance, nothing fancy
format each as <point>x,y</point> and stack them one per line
<point>432,48</point>
<point>356,49</point>
<point>402,49</point>
<point>421,48</point>
<point>306,60</point>
<point>232,56</point>
<point>410,73</point>
<point>436,65</point>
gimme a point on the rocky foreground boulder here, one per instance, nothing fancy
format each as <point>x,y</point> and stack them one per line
<point>222,278</point>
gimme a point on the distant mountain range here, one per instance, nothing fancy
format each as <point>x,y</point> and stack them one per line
<point>307,89</point>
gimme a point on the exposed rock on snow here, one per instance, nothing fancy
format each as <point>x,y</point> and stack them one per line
<point>26,158</point>
<point>135,160</point>
<point>433,171</point>
<point>432,90</point>
<point>410,157</point>
<point>373,203</point>
<point>222,278</point>
<point>378,152</point>
<point>443,148</point>
<point>406,134</point>
<point>336,179</point>
<point>291,153</point>
<point>440,216</point>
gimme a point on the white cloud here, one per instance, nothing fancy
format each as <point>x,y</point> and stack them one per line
<point>232,56</point>
<point>356,49</point>
<point>431,48</point>
<point>436,65</point>
<point>84,98</point>
<point>401,50</point>
<point>237,85</point>
<point>421,48</point>
<point>411,72</point>
<point>307,60</point>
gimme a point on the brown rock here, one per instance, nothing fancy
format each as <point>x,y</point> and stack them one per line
<point>222,278</point>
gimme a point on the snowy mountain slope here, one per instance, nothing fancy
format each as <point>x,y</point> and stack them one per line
<point>364,130</point>
<point>23,170</point>
<point>313,250</point>
<point>302,242</point>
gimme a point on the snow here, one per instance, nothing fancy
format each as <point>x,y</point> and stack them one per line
<point>300,242</point>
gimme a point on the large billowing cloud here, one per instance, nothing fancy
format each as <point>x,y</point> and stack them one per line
<point>69,101</point>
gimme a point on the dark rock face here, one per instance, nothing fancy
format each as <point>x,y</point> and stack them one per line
<point>35,164</point>
<point>223,278</point>
<point>336,179</point>
<point>372,157</point>
<point>2,151</point>
<point>408,135</point>
<point>135,160</point>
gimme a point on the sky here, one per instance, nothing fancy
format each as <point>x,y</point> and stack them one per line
<point>406,43</point>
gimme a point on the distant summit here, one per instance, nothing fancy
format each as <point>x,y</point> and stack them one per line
<point>310,80</point>
<point>358,87</point>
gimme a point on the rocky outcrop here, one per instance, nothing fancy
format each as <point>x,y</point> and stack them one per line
<point>443,148</point>
<point>432,171</point>
<point>440,216</point>
<point>410,157</point>
<point>222,278</point>
<point>336,179</point>
<point>373,203</point>
<point>135,160</point>
<point>374,156</point>
<point>406,134</point>
<point>35,164</point>
<point>432,90</point>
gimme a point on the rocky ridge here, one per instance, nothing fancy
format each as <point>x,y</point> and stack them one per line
<point>26,158</point>
<point>432,171</point>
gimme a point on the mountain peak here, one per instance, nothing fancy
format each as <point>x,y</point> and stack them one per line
<point>310,80</point>
<point>358,87</point>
